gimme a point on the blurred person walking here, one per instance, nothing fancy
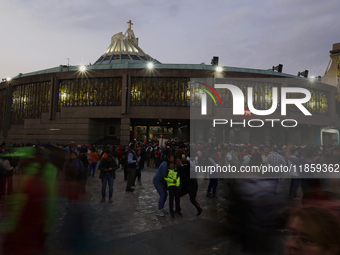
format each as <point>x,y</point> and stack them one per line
<point>6,177</point>
<point>33,206</point>
<point>86,161</point>
<point>74,177</point>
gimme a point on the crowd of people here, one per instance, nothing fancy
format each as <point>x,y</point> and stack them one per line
<point>253,198</point>
<point>260,206</point>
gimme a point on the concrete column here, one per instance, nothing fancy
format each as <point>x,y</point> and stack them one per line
<point>332,110</point>
<point>125,131</point>
<point>7,110</point>
<point>133,131</point>
<point>206,132</point>
<point>128,92</point>
<point>188,132</point>
<point>244,135</point>
<point>193,133</point>
<point>231,136</point>
<point>175,130</point>
<point>210,102</point>
<point>124,83</point>
<point>54,97</point>
<point>294,136</point>
<point>147,131</point>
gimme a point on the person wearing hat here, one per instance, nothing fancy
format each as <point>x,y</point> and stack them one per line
<point>107,168</point>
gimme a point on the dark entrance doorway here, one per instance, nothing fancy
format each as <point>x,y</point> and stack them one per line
<point>156,129</point>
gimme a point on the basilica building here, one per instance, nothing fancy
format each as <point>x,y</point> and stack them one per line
<point>127,94</point>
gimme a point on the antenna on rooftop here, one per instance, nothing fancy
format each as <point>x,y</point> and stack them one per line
<point>68,63</point>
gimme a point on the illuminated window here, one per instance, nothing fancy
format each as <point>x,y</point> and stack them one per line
<point>262,94</point>
<point>29,101</point>
<point>160,91</point>
<point>318,104</point>
<point>90,92</point>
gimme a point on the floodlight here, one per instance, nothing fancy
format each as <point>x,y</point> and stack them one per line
<point>219,69</point>
<point>150,65</point>
<point>278,68</point>
<point>304,74</point>
<point>82,68</point>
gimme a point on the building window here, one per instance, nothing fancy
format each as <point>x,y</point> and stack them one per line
<point>90,92</point>
<point>318,104</point>
<point>262,94</point>
<point>147,91</point>
<point>29,101</point>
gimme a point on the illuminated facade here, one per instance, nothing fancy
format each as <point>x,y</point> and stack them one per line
<point>120,98</point>
<point>150,91</point>
<point>29,101</point>
<point>90,92</point>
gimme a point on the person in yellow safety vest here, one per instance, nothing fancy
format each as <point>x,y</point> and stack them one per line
<point>32,207</point>
<point>172,179</point>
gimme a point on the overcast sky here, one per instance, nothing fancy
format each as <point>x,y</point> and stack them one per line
<point>40,34</point>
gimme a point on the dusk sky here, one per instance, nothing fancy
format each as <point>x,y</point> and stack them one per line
<point>41,34</point>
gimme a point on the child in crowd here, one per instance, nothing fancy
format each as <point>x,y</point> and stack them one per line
<point>173,181</point>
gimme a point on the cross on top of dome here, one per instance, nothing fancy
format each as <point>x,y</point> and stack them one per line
<point>129,32</point>
<point>123,48</point>
<point>130,23</point>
